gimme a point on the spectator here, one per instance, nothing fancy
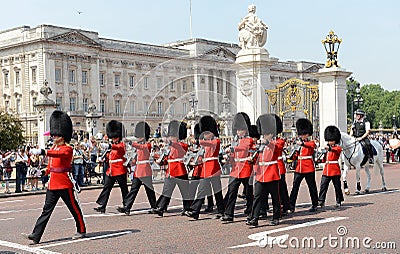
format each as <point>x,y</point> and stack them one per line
<point>77,161</point>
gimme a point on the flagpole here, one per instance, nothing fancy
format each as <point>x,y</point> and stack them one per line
<point>190,18</point>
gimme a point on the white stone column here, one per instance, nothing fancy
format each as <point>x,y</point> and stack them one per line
<point>332,99</point>
<point>253,78</point>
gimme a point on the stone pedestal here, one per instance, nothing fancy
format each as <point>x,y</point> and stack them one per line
<point>332,99</point>
<point>253,78</point>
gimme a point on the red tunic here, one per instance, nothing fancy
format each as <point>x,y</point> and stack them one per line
<point>280,144</point>
<point>241,167</point>
<point>60,157</point>
<point>175,159</point>
<point>143,167</point>
<point>210,160</point>
<point>266,166</point>
<point>332,167</point>
<point>116,160</point>
<point>305,163</point>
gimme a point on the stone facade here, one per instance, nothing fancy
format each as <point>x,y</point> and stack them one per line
<point>127,81</point>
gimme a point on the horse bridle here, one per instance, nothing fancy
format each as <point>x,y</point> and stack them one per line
<point>354,150</point>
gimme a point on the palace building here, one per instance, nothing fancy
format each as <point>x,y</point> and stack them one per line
<point>125,81</point>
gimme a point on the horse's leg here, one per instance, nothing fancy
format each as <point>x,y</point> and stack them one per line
<point>344,179</point>
<point>358,191</point>
<point>380,165</point>
<point>368,172</point>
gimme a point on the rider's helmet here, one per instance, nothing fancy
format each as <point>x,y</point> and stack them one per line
<point>360,112</point>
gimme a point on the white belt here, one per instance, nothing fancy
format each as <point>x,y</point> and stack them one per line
<point>142,162</point>
<point>175,160</point>
<point>280,158</point>
<point>332,162</point>
<point>305,157</point>
<point>114,161</point>
<point>210,159</point>
<point>241,160</point>
<point>267,163</point>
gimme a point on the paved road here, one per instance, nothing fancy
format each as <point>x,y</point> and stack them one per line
<point>372,220</point>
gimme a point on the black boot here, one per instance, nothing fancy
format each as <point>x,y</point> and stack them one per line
<point>100,209</point>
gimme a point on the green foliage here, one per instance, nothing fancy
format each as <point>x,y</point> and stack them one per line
<point>10,132</point>
<point>379,104</point>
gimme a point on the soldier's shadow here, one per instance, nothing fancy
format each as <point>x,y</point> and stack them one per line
<point>96,235</point>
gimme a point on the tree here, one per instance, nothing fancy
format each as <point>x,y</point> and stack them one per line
<point>10,132</point>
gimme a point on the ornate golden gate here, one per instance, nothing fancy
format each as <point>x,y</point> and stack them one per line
<point>295,98</point>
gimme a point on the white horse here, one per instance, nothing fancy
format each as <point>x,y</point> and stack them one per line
<point>353,155</point>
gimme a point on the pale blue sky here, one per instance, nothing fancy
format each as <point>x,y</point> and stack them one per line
<point>370,29</point>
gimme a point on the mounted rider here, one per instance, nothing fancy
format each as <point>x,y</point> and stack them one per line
<point>360,130</point>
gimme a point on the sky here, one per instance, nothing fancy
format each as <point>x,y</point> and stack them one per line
<point>370,30</point>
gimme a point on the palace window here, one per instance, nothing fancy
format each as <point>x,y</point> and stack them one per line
<point>72,104</point>
<point>117,80</point>
<point>34,100</point>
<point>131,81</point>
<point>102,105</point>
<point>101,78</point>
<point>34,75</point>
<point>59,102</point>
<point>117,107</point>
<point>132,107</point>
<point>159,108</point>
<point>57,74</point>
<point>17,78</point>
<point>159,83</point>
<point>184,85</point>
<point>71,76</point>
<point>145,82</point>
<point>84,77</point>
<point>18,105</point>
<point>6,78</point>
<point>85,104</point>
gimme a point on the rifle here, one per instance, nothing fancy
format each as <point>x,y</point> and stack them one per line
<point>164,153</point>
<point>296,149</point>
<point>259,149</point>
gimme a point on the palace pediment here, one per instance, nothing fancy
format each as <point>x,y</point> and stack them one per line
<point>313,68</point>
<point>221,53</point>
<point>74,37</point>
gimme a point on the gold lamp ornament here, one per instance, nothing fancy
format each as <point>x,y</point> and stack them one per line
<point>331,44</point>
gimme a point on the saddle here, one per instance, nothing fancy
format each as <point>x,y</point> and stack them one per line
<point>366,152</point>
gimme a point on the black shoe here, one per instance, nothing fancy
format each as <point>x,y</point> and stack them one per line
<point>100,209</point>
<point>321,203</point>
<point>366,191</point>
<point>274,222</point>
<point>183,211</point>
<point>253,222</point>
<point>291,211</point>
<point>371,161</point>
<point>218,216</point>
<point>209,209</point>
<point>313,209</point>
<point>30,237</point>
<point>227,218</point>
<point>159,211</point>
<point>192,214</point>
<point>284,213</point>
<point>124,210</point>
<point>78,236</point>
<point>338,205</point>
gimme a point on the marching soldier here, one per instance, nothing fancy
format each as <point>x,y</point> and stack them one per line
<point>242,168</point>
<point>211,171</point>
<point>283,190</point>
<point>176,173</point>
<point>266,168</point>
<point>305,165</point>
<point>60,184</point>
<point>143,173</point>
<point>332,168</point>
<point>117,170</point>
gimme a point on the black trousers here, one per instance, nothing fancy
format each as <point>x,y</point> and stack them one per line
<point>136,184</point>
<point>231,195</point>
<point>324,188</point>
<point>109,182</point>
<point>261,191</point>
<point>194,184</point>
<point>312,188</point>
<point>205,190</point>
<point>52,197</point>
<point>283,193</point>
<point>168,189</point>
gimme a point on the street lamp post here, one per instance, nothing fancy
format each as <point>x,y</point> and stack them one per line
<point>226,115</point>
<point>331,44</point>
<point>91,119</point>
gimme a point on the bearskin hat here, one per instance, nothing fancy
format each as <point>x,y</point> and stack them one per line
<point>177,129</point>
<point>208,123</point>
<point>114,129</point>
<point>332,133</point>
<point>196,131</point>
<point>279,125</point>
<point>253,132</point>
<point>241,121</point>
<point>142,130</point>
<point>61,125</point>
<point>304,126</point>
<point>266,124</point>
